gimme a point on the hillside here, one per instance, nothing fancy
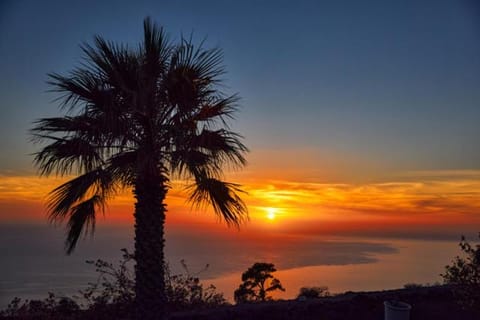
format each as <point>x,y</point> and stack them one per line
<point>427,303</point>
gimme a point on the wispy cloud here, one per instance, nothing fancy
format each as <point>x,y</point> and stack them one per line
<point>454,193</point>
<point>434,196</point>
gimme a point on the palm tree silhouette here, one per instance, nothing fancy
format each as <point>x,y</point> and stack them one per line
<point>134,118</point>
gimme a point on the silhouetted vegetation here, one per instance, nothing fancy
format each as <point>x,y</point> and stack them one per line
<point>257,283</point>
<point>413,285</point>
<point>313,292</point>
<point>112,296</point>
<point>134,116</point>
<point>464,274</point>
<point>186,292</point>
<point>52,307</point>
<point>114,284</point>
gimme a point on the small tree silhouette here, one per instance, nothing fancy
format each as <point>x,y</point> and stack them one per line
<point>255,286</point>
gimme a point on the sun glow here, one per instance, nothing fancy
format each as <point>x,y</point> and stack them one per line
<point>271,213</point>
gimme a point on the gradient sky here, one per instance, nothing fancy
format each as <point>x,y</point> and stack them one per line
<point>357,113</point>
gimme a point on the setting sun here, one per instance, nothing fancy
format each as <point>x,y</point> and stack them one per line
<point>271,213</point>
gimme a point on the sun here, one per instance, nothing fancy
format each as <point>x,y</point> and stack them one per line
<point>271,213</point>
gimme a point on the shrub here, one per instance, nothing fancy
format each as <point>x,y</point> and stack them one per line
<point>115,287</point>
<point>464,275</point>
<point>113,293</point>
<point>185,291</point>
<point>313,292</point>
<point>413,285</point>
<point>51,308</point>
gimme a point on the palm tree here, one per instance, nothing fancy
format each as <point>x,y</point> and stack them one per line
<point>135,118</point>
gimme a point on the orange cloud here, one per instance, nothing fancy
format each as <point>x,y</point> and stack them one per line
<point>457,196</point>
<point>435,198</point>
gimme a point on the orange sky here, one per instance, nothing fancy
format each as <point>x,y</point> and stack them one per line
<point>430,201</point>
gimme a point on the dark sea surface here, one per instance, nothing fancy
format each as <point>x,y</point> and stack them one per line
<point>33,262</point>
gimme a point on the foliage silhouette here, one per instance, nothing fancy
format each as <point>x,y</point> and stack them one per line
<point>135,118</point>
<point>257,284</point>
<point>114,289</point>
<point>412,285</point>
<point>313,292</point>
<point>185,291</point>
<point>464,274</point>
<point>112,296</point>
<point>52,308</point>
<point>113,293</point>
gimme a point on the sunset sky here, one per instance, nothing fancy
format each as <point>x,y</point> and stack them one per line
<point>361,116</point>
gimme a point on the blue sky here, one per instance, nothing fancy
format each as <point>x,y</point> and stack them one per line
<point>371,86</point>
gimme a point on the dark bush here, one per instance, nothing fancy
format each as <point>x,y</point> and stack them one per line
<point>413,285</point>
<point>313,292</point>
<point>52,308</point>
<point>464,275</point>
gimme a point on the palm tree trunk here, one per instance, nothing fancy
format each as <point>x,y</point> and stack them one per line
<point>150,191</point>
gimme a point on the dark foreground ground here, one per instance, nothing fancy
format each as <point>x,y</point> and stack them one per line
<point>436,303</point>
<point>427,303</point>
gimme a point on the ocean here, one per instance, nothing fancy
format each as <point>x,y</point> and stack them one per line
<point>33,262</point>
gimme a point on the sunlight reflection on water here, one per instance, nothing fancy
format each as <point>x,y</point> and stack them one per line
<point>417,261</point>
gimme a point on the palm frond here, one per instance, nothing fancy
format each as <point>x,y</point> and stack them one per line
<point>191,76</point>
<point>207,153</point>
<point>122,167</point>
<point>222,145</point>
<point>63,155</point>
<point>207,63</point>
<point>115,64</point>
<point>65,124</point>
<point>218,107</point>
<point>84,126</point>
<point>82,220</point>
<point>187,163</point>
<point>156,47</point>
<point>223,196</point>
<point>79,86</point>
<point>65,197</point>
<point>101,111</point>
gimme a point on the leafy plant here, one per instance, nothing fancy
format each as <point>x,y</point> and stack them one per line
<point>313,292</point>
<point>115,286</point>
<point>464,274</point>
<point>113,293</point>
<point>256,286</point>
<point>51,308</point>
<point>185,291</point>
